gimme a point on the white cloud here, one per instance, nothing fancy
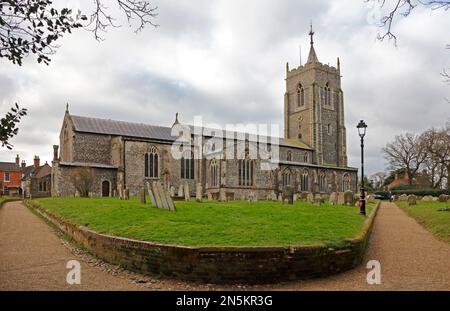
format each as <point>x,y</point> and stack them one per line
<point>226,60</point>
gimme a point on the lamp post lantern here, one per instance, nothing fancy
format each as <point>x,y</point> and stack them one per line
<point>362,127</point>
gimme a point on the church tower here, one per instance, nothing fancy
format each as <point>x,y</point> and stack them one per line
<point>314,109</point>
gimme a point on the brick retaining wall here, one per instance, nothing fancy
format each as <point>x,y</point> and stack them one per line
<point>220,264</point>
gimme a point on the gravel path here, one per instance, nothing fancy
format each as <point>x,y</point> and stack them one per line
<point>33,257</point>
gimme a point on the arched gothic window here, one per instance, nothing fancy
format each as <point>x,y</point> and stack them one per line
<point>305,181</point>
<point>287,178</point>
<point>214,173</point>
<point>322,182</point>
<point>289,156</point>
<point>152,163</point>
<point>246,172</point>
<point>300,96</point>
<point>188,167</point>
<point>306,157</point>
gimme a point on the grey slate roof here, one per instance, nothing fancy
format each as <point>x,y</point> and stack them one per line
<point>9,167</point>
<point>85,164</point>
<point>144,131</point>
<point>121,128</point>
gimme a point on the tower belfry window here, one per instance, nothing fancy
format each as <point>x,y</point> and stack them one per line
<point>300,96</point>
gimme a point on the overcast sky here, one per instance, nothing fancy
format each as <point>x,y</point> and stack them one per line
<point>225,60</point>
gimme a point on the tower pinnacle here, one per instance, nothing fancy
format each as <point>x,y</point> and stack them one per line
<point>312,58</point>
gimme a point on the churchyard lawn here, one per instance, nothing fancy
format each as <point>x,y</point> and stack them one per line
<point>429,216</point>
<point>236,223</point>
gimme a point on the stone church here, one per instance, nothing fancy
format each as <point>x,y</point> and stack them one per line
<point>122,155</point>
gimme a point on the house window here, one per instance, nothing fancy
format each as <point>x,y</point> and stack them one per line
<point>322,182</point>
<point>286,178</point>
<point>187,167</point>
<point>305,181</point>
<point>300,96</point>
<point>289,156</point>
<point>152,163</point>
<point>346,182</point>
<point>214,173</point>
<point>5,190</point>
<point>306,157</point>
<point>246,169</point>
<point>6,176</point>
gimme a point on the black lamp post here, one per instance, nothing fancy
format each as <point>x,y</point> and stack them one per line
<point>362,127</point>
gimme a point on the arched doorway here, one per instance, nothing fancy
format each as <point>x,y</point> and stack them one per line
<point>105,189</point>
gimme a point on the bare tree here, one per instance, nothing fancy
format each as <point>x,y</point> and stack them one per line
<point>437,146</point>
<point>82,179</point>
<point>34,26</point>
<point>403,8</point>
<point>407,152</point>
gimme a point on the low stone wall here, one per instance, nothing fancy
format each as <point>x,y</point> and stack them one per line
<point>220,264</point>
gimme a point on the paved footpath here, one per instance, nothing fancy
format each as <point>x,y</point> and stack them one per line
<point>33,257</point>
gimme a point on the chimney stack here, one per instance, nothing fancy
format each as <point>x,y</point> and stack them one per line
<point>17,160</point>
<point>23,165</point>
<point>55,152</point>
<point>36,161</point>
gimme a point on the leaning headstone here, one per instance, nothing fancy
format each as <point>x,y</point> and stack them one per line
<point>181,191</point>
<point>412,200</point>
<point>341,198</point>
<point>348,198</point>
<point>222,195</point>
<point>157,195</point>
<point>170,204</point>
<point>172,191</point>
<point>443,198</point>
<point>310,198</point>
<point>198,192</point>
<point>288,194</point>
<point>273,195</point>
<point>187,192</point>
<point>127,193</point>
<point>334,198</point>
<point>142,195</point>
<point>150,194</point>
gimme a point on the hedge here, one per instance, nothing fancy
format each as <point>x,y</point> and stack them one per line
<point>417,192</point>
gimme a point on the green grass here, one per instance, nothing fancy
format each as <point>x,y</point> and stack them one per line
<point>237,223</point>
<point>5,197</point>
<point>429,216</point>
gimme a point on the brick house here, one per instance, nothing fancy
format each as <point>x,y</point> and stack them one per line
<point>10,177</point>
<point>36,179</point>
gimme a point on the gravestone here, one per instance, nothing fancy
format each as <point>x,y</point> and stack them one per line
<point>349,198</point>
<point>427,198</point>
<point>412,200</point>
<point>318,199</point>
<point>187,192</point>
<point>172,191</point>
<point>273,196</point>
<point>288,194</point>
<point>304,196</point>
<point>222,195</point>
<point>334,198</point>
<point>180,191</point>
<point>127,194</point>
<point>161,197</point>
<point>142,195</point>
<point>295,197</point>
<point>198,192</point>
<point>341,198</point>
<point>280,198</point>
<point>150,194</point>
<point>370,198</point>
<point>210,197</point>
<point>395,198</point>
<point>310,197</point>
<point>443,198</point>
<point>403,197</point>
